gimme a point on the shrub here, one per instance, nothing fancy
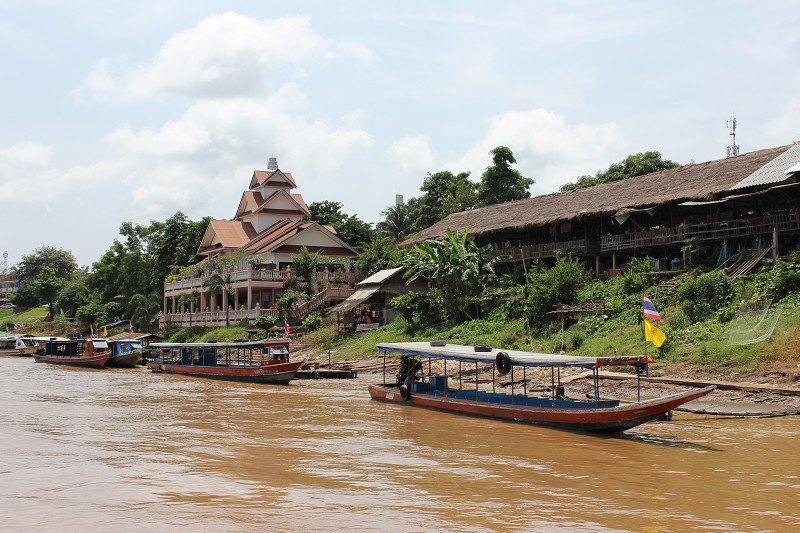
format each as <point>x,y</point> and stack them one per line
<point>550,286</point>
<point>266,322</point>
<point>420,308</point>
<point>312,322</point>
<point>704,295</point>
<point>782,279</point>
<point>576,339</point>
<point>633,279</point>
<point>91,313</point>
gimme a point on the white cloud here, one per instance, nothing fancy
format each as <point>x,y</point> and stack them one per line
<point>414,154</point>
<point>784,128</point>
<point>547,148</point>
<point>23,155</point>
<point>223,55</point>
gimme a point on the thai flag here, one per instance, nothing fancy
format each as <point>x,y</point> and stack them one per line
<point>91,331</point>
<point>286,328</point>
<point>131,325</point>
<point>650,311</point>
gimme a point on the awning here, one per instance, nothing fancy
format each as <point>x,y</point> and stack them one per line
<point>355,299</point>
<point>740,196</point>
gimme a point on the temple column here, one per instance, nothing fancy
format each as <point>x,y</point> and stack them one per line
<point>236,299</point>
<point>224,299</point>
<point>165,305</point>
<point>249,297</point>
<point>174,306</point>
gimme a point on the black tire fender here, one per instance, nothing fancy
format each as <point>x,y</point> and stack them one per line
<point>503,363</point>
<point>405,393</point>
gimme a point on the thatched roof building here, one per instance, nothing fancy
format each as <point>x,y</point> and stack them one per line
<point>700,181</point>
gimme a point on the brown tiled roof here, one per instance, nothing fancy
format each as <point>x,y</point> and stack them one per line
<point>233,233</point>
<point>282,231</point>
<point>260,176</point>
<point>302,203</point>
<point>700,181</point>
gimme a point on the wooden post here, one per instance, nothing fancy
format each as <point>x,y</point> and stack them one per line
<point>476,381</point>
<point>774,242</point>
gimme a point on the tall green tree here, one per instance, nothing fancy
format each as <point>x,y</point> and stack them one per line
<point>221,282</point>
<point>500,183</point>
<point>61,262</point>
<point>457,266</point>
<point>350,228</point>
<point>304,266</point>
<point>46,288</point>
<point>72,295</point>
<point>444,193</point>
<point>633,165</point>
<point>380,254</point>
<point>399,221</point>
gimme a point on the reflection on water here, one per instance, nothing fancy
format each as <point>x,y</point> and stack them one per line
<point>131,450</point>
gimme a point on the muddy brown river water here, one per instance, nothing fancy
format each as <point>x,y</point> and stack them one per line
<point>126,450</point>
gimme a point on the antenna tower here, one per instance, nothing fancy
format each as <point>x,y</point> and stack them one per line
<point>4,269</point>
<point>733,148</point>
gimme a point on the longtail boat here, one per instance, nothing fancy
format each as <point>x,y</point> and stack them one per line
<point>261,361</point>
<point>20,345</point>
<point>92,353</point>
<point>557,410</point>
<point>125,353</point>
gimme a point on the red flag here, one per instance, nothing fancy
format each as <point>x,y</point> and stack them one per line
<point>131,324</point>
<point>287,329</point>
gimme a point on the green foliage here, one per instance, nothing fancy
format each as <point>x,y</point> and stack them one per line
<point>60,262</point>
<point>73,295</point>
<point>457,267</point>
<point>143,310</point>
<point>633,165</point>
<point>548,287</point>
<point>704,295</point>
<point>287,300</point>
<point>113,310</point>
<point>633,279</point>
<point>444,193</point>
<point>380,254</point>
<point>500,183</point>
<point>25,297</point>
<point>350,228</point>
<point>266,322</point>
<point>46,288</point>
<point>220,282</point>
<point>92,313</point>
<point>420,308</point>
<point>304,266</point>
<point>576,339</point>
<point>782,278</point>
<point>399,221</point>
<point>312,322</point>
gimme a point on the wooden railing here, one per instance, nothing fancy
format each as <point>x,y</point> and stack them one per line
<point>538,251</point>
<point>704,231</point>
<point>329,294</point>
<point>238,276</point>
<point>215,318</point>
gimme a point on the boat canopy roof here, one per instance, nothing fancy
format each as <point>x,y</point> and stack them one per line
<point>239,344</point>
<point>467,354</point>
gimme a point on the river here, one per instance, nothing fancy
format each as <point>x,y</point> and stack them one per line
<point>127,450</point>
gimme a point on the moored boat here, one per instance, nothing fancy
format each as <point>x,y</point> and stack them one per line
<point>125,353</point>
<point>261,361</point>
<point>557,410</point>
<point>19,345</point>
<point>91,353</point>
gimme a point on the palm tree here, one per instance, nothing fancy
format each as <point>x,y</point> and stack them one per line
<point>398,223</point>
<point>220,282</point>
<point>457,266</point>
<point>305,265</point>
<point>186,300</point>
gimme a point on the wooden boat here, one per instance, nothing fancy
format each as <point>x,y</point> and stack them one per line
<point>19,345</point>
<point>125,353</point>
<point>557,410</point>
<point>92,353</point>
<point>261,361</point>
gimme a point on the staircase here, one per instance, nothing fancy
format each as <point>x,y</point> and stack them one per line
<point>746,263</point>
<point>324,298</point>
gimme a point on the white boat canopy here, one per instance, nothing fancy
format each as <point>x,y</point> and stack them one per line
<point>467,354</point>
<point>242,344</point>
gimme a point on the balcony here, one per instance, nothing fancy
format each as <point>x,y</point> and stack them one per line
<point>213,318</point>
<point>538,251</point>
<point>241,278</point>
<point>745,227</point>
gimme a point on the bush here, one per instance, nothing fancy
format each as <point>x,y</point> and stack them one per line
<point>313,322</point>
<point>420,308</point>
<point>91,313</point>
<point>550,286</point>
<point>576,339</point>
<point>633,279</point>
<point>266,322</point>
<point>782,279</point>
<point>704,295</point>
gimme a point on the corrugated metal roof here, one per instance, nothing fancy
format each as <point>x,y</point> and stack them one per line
<point>358,297</point>
<point>380,276</point>
<point>795,168</point>
<point>772,172</point>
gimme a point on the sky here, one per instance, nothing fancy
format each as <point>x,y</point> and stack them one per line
<point>131,111</point>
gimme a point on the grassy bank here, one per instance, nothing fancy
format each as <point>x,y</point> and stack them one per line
<point>703,344</point>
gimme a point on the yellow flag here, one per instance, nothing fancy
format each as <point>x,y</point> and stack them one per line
<point>105,332</point>
<point>653,334</point>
